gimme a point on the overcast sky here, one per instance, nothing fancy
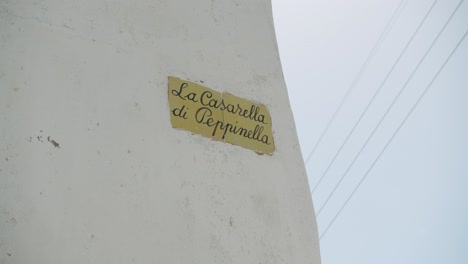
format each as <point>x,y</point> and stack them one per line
<point>413,205</point>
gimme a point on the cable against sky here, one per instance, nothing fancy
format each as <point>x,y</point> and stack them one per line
<point>376,93</point>
<point>390,106</point>
<point>356,79</point>
<point>393,136</point>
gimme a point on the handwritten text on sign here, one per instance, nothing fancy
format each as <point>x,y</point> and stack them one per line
<point>220,116</point>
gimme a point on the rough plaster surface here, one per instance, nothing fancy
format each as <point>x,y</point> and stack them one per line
<point>91,170</point>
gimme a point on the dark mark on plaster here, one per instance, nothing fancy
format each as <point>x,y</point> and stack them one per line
<point>55,143</point>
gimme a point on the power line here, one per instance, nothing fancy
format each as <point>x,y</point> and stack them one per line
<point>390,107</point>
<point>356,79</point>
<point>392,137</point>
<point>374,96</point>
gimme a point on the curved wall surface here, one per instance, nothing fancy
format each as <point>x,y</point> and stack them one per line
<point>91,168</point>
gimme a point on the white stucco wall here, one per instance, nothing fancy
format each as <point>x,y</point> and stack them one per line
<point>123,186</point>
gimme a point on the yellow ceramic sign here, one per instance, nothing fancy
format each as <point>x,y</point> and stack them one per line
<point>220,116</point>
